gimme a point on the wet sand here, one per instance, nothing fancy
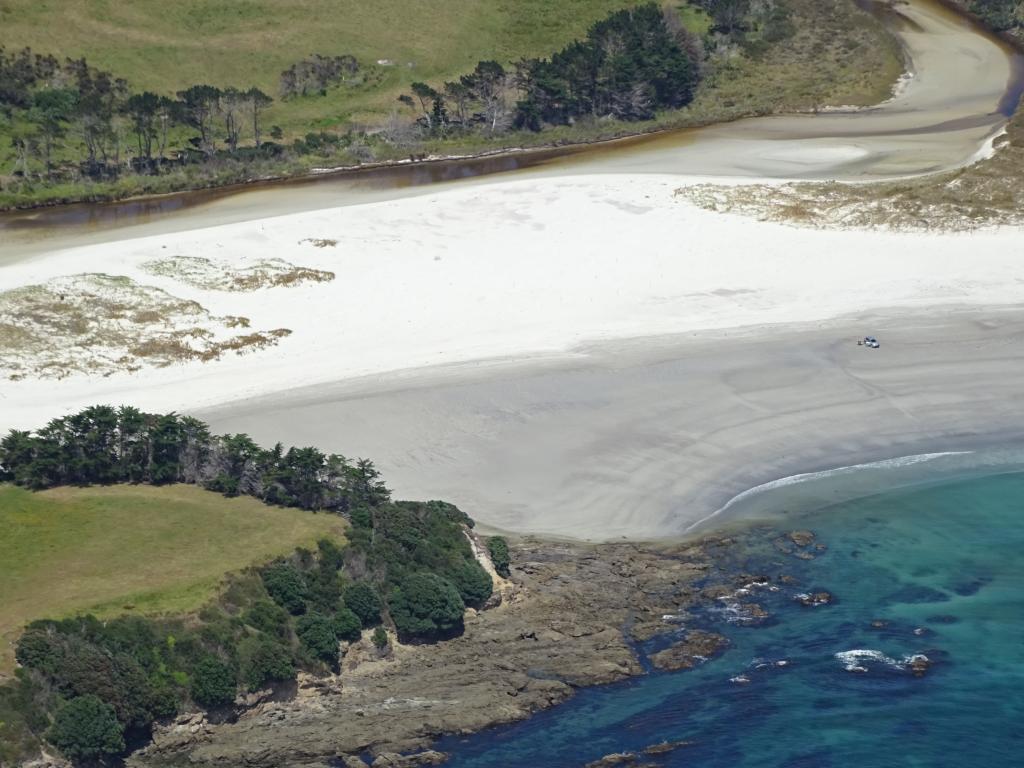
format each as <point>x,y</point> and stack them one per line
<point>643,438</point>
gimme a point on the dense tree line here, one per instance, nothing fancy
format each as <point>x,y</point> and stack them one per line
<point>90,687</point>
<point>628,66</point>
<point>1002,15</point>
<point>315,74</point>
<point>54,103</point>
<point>102,445</point>
<point>497,547</point>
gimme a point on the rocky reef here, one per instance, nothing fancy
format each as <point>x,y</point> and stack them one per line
<point>570,617</point>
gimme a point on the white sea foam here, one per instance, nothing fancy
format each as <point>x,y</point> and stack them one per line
<point>853,661</point>
<point>899,462</point>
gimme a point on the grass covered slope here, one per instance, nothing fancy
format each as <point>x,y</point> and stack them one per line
<point>143,549</point>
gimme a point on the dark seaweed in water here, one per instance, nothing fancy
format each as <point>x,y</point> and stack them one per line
<point>965,710</point>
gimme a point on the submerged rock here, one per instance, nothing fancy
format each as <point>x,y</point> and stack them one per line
<point>393,760</point>
<point>915,593</point>
<point>697,647</point>
<point>666,746</point>
<point>754,613</point>
<point>616,758</point>
<point>918,664</point>
<point>814,599</point>
<point>802,538</point>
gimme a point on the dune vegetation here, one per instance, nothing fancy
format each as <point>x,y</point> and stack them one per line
<point>985,194</point>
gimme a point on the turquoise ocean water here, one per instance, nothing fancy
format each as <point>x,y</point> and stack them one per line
<point>940,562</point>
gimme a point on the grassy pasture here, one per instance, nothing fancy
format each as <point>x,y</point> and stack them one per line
<point>124,549</point>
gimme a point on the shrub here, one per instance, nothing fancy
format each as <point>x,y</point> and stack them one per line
<point>268,617</point>
<point>36,651</point>
<point>380,638</point>
<point>318,636</point>
<point>498,548</point>
<point>286,586</point>
<point>263,661</point>
<point>163,701</point>
<point>363,601</point>
<point>331,555</point>
<point>347,625</point>
<point>86,728</point>
<point>213,683</point>
<point>361,517</point>
<point>324,591</point>
<point>473,582</point>
<point>426,606</point>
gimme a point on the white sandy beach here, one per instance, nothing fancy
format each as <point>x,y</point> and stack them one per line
<point>529,278</point>
<point>587,354</point>
<point>520,269</point>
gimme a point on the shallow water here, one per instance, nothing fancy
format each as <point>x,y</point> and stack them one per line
<point>944,558</point>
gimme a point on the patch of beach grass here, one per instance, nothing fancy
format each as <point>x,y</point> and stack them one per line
<point>986,194</point>
<point>132,549</point>
<point>220,276</point>
<point>101,324</point>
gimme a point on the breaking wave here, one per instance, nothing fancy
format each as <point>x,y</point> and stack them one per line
<point>839,484</point>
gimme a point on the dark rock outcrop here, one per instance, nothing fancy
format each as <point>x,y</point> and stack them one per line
<point>559,626</point>
<point>697,647</point>
<point>814,599</point>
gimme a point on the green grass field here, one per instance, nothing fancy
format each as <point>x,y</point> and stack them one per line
<point>124,549</point>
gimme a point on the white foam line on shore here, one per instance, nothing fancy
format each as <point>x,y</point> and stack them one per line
<point>804,477</point>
